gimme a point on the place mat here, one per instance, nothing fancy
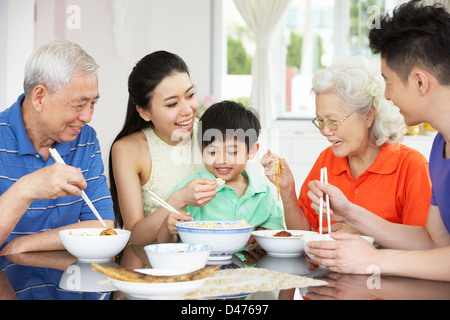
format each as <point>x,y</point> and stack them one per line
<point>230,282</point>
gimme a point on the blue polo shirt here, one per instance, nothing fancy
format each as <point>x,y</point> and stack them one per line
<point>18,157</point>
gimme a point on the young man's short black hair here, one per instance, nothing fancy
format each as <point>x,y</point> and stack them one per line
<point>415,36</point>
<point>226,120</point>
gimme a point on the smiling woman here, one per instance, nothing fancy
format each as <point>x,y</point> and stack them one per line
<point>154,150</point>
<point>173,109</point>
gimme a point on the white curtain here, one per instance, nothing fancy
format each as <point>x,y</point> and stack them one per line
<point>120,10</point>
<point>262,16</point>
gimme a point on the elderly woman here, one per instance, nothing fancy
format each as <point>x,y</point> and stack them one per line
<point>365,159</point>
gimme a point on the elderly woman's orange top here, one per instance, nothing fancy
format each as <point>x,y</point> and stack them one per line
<point>396,186</point>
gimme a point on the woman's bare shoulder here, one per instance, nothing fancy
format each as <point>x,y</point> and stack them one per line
<point>130,143</point>
<point>131,154</point>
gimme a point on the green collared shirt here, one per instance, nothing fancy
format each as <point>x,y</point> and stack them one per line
<point>257,206</point>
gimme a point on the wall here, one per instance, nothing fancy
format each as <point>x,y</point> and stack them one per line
<point>16,44</point>
<point>116,33</point>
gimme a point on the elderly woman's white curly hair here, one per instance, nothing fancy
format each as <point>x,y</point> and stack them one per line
<point>358,81</point>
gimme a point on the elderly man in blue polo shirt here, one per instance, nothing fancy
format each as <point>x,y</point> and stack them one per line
<point>38,198</point>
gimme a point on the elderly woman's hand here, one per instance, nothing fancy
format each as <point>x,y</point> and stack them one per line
<point>286,177</point>
<point>339,204</point>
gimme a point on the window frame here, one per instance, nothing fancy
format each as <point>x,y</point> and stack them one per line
<point>341,49</point>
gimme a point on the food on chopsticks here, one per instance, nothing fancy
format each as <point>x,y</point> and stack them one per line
<point>108,232</point>
<point>120,273</point>
<point>220,182</point>
<point>277,166</point>
<point>285,234</point>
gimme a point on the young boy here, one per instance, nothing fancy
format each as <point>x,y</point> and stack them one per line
<point>228,136</point>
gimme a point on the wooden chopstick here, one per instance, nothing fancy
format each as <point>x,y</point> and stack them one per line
<point>324,179</point>
<point>162,203</point>
<point>327,197</point>
<point>57,158</point>
<point>321,205</point>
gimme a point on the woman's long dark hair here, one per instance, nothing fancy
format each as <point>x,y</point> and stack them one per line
<point>144,78</point>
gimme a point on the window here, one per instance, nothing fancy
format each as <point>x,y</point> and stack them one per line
<point>237,83</point>
<point>312,35</point>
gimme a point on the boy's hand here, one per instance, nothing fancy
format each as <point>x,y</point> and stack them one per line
<point>199,192</point>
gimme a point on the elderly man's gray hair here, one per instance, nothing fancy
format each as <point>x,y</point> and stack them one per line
<point>54,63</point>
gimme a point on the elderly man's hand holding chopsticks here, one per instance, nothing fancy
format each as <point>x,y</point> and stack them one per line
<point>53,182</point>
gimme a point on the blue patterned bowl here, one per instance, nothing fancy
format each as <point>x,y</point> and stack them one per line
<point>182,256</point>
<point>224,237</point>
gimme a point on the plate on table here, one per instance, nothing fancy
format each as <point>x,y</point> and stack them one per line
<point>281,243</point>
<point>170,290</point>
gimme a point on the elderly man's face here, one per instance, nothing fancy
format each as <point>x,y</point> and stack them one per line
<point>69,109</point>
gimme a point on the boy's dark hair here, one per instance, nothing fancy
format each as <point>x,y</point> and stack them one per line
<point>226,120</point>
<point>415,36</point>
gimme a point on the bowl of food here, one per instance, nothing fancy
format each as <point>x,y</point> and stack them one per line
<point>184,256</point>
<point>281,243</point>
<point>225,238</point>
<point>324,237</point>
<point>94,244</point>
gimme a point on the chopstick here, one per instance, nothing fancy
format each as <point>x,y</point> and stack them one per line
<point>162,203</point>
<point>327,200</point>
<point>324,179</point>
<point>57,158</point>
<point>321,205</point>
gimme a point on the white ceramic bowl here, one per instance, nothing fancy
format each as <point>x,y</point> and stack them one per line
<point>183,256</point>
<point>157,291</point>
<point>225,238</point>
<point>324,237</point>
<point>281,246</point>
<point>87,245</point>
<point>292,265</point>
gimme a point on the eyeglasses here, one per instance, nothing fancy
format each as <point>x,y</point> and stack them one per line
<point>332,124</point>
